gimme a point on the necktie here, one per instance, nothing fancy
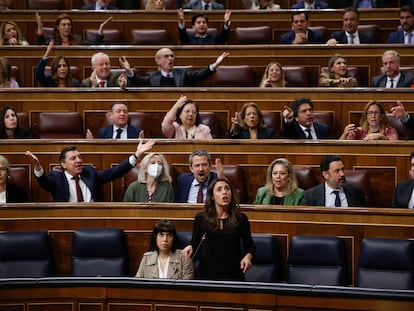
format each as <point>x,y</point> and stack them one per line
<point>351,39</point>
<point>101,83</point>
<point>200,193</point>
<point>118,133</point>
<point>78,189</point>
<point>206,7</point>
<point>309,135</point>
<point>168,75</point>
<point>391,83</point>
<point>337,199</point>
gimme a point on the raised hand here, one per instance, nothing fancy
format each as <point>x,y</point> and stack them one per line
<point>102,26</point>
<point>123,62</point>
<point>143,147</point>
<point>34,159</point>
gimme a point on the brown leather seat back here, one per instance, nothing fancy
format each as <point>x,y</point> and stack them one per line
<point>111,36</point>
<point>296,76</point>
<point>20,176</point>
<point>305,177</point>
<point>360,179</point>
<point>252,35</point>
<point>272,119</point>
<point>60,125</point>
<point>234,76</point>
<point>150,37</point>
<point>45,4</point>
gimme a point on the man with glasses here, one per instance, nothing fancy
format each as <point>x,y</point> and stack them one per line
<point>167,75</point>
<point>392,76</point>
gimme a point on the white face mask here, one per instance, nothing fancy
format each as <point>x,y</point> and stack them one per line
<point>154,170</point>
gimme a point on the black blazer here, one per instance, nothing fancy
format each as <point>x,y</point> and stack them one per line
<point>262,133</point>
<point>341,37</point>
<point>316,196</point>
<point>15,194</point>
<point>222,38</point>
<point>314,37</point>
<point>108,131</point>
<point>294,131</point>
<point>182,77</point>
<point>402,194</point>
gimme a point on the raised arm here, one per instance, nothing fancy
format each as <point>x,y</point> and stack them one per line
<point>219,60</point>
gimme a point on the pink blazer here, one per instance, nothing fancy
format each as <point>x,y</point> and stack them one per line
<point>170,129</point>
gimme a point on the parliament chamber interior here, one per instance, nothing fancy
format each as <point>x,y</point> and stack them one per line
<point>365,257</point>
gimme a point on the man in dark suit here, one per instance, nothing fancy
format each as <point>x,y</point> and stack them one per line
<point>310,5</point>
<point>367,4</point>
<point>300,34</point>
<point>101,75</point>
<point>201,36</point>
<point>100,5</point>
<point>403,195</point>
<point>167,75</point>
<point>392,76</point>
<point>349,34</point>
<point>119,129</point>
<point>405,35</point>
<point>334,191</point>
<point>298,122</point>
<point>78,183</point>
<point>192,187</point>
<point>203,5</point>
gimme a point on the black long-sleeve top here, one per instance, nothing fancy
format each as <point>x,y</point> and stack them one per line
<point>220,252</point>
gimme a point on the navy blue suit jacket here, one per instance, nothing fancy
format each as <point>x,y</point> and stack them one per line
<point>318,5</point>
<point>316,196</point>
<point>210,38</point>
<point>56,183</point>
<point>402,194</point>
<point>314,37</point>
<point>410,123</point>
<point>182,77</point>
<point>341,37</point>
<point>396,37</point>
<point>262,133</point>
<point>381,81</point>
<point>294,131</point>
<point>108,131</point>
<point>184,184</point>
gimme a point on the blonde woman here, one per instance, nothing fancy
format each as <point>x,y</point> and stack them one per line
<point>273,76</point>
<point>155,5</point>
<point>338,74</point>
<point>11,34</point>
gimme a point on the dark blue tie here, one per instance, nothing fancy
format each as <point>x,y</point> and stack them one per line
<point>337,199</point>
<point>118,133</point>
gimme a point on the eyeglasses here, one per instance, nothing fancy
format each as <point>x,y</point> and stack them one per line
<point>373,113</point>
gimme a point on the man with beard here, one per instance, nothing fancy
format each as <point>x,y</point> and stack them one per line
<point>167,75</point>
<point>201,35</point>
<point>334,191</point>
<point>192,187</point>
<point>298,122</point>
<point>392,76</point>
<point>406,33</point>
<point>404,192</point>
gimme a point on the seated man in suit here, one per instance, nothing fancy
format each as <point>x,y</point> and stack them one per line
<point>199,23</point>
<point>78,183</point>
<point>392,76</point>
<point>369,4</point>
<point>399,112</point>
<point>192,187</point>
<point>310,5</point>
<point>404,192</point>
<point>349,34</point>
<point>119,129</point>
<point>298,122</point>
<point>334,191</point>
<point>166,75</point>
<point>206,5</point>
<point>405,35</point>
<point>101,75</point>
<point>300,34</point>
<point>100,5</point>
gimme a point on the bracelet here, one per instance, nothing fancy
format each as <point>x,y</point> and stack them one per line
<point>136,158</point>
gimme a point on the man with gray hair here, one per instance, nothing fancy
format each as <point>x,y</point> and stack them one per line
<point>392,76</point>
<point>101,75</point>
<point>192,187</point>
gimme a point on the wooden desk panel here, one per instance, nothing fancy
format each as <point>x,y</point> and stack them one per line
<point>61,219</point>
<point>386,161</point>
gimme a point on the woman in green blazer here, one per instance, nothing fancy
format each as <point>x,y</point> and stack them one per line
<point>281,185</point>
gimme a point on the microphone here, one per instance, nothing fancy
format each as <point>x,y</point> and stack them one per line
<point>199,245</point>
